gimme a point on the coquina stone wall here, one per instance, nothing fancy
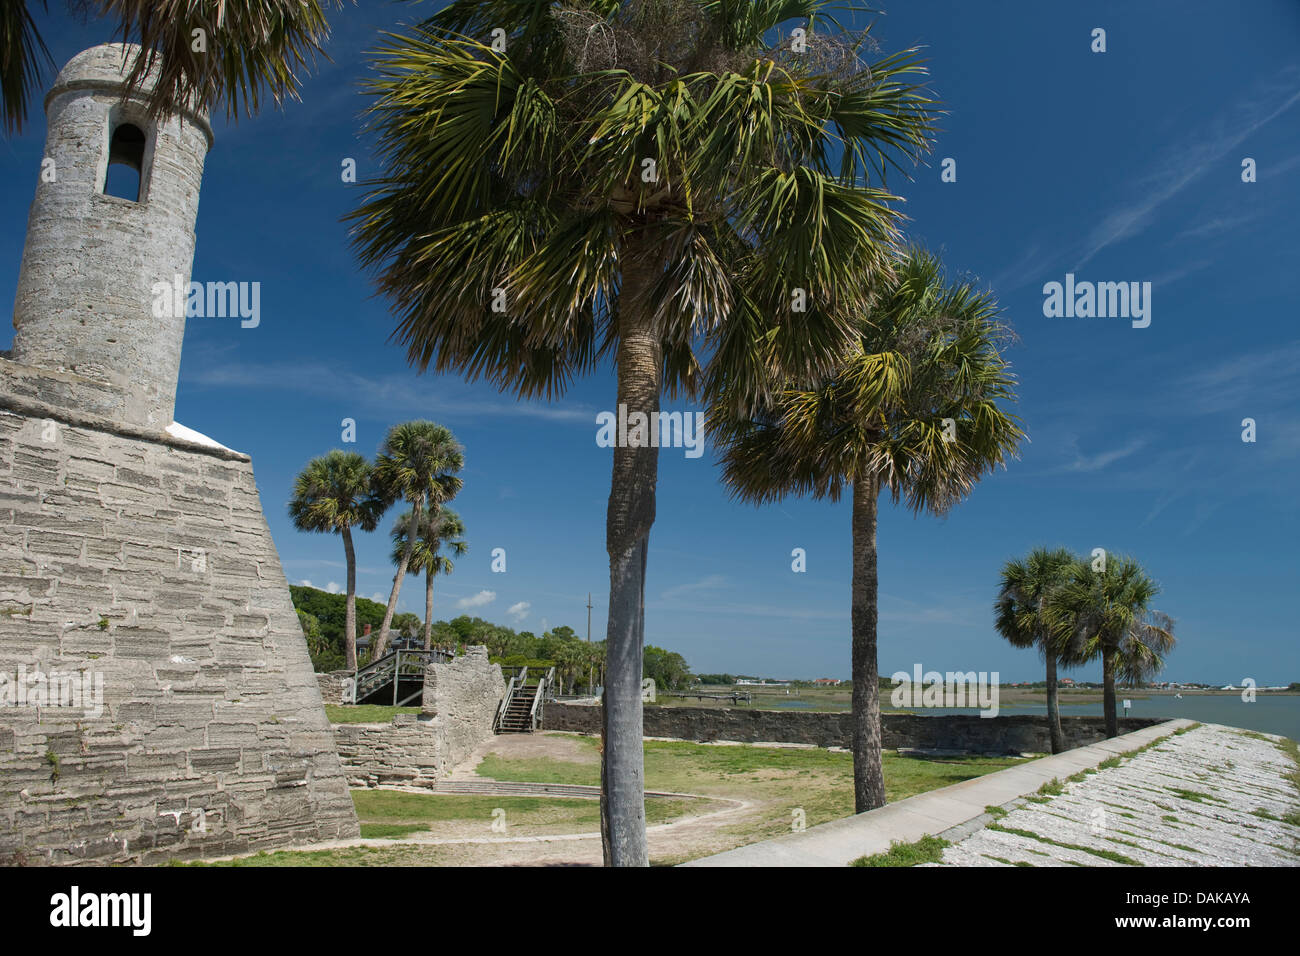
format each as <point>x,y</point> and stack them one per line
<point>458,711</point>
<point>147,563</point>
<point>972,733</point>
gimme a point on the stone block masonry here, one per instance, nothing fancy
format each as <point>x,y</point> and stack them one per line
<point>969,733</point>
<point>148,561</point>
<point>458,710</point>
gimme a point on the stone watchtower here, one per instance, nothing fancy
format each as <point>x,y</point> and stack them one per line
<point>157,699</point>
<point>97,289</point>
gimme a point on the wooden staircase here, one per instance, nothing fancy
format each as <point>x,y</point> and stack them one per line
<point>521,707</point>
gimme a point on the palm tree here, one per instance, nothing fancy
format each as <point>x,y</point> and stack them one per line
<point>442,527</point>
<point>1107,613</point>
<point>667,185</point>
<point>248,50</point>
<point>335,493</point>
<point>417,464</point>
<point>913,408</point>
<point>1021,616</point>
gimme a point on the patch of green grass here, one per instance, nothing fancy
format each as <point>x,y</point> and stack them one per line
<point>928,849</point>
<point>1053,788</point>
<point>364,713</point>
<point>997,813</point>
<point>403,808</point>
<point>1193,795</point>
<point>391,831</point>
<point>816,780</point>
<point>1265,815</point>
<point>1030,835</point>
<point>1169,818</point>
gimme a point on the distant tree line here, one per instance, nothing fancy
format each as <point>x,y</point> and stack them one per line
<point>579,664</point>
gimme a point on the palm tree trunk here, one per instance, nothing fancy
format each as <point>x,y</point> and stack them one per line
<point>1108,693</point>
<point>868,773</point>
<point>629,517</point>
<point>350,614</point>
<point>428,608</point>
<point>1054,707</point>
<point>381,642</point>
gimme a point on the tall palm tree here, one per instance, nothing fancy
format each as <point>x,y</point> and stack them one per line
<point>417,463</point>
<point>1107,613</point>
<point>435,529</point>
<point>669,186</point>
<point>912,409</point>
<point>1021,616</point>
<point>248,51</point>
<point>335,493</point>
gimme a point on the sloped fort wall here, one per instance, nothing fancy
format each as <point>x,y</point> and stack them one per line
<point>146,563</point>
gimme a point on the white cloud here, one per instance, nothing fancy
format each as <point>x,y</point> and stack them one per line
<point>305,583</point>
<point>518,611</point>
<point>332,587</point>
<point>378,598</point>
<point>1100,460</point>
<point>478,600</point>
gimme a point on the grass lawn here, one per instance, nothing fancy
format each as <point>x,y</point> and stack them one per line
<point>777,781</point>
<point>398,814</point>
<point>365,713</point>
<point>382,810</point>
<point>820,782</point>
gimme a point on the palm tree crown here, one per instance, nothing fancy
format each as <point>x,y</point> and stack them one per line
<point>206,53</point>
<point>914,405</point>
<point>418,463</point>
<point>334,492</point>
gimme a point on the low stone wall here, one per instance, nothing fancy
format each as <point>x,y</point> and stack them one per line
<point>1023,733</point>
<point>410,752</point>
<point>463,695</point>
<point>331,685</point>
<point>459,707</point>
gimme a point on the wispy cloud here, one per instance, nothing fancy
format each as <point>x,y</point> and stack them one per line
<point>518,611</point>
<point>385,394</point>
<point>1103,459</point>
<point>481,599</point>
<point>1181,165</point>
<point>1189,160</point>
<point>712,582</point>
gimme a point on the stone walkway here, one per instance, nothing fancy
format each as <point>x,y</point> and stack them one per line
<point>1193,796</point>
<point>1213,796</point>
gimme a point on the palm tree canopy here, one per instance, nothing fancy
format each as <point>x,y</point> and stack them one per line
<point>913,405</point>
<point>418,462</point>
<point>432,533</point>
<point>1108,612</point>
<point>1020,611</point>
<point>241,54</point>
<point>684,134</point>
<point>333,492</point>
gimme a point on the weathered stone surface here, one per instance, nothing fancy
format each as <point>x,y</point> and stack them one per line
<point>971,733</point>
<point>463,695</point>
<point>212,720</point>
<point>86,288</point>
<point>459,708</point>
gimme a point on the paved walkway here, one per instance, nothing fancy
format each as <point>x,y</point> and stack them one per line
<point>1214,796</point>
<point>1241,773</point>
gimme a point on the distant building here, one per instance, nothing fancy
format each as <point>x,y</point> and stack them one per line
<point>828,682</point>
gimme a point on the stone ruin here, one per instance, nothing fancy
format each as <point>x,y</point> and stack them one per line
<point>137,571</point>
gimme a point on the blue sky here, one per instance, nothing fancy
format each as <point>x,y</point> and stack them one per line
<point>1116,166</point>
